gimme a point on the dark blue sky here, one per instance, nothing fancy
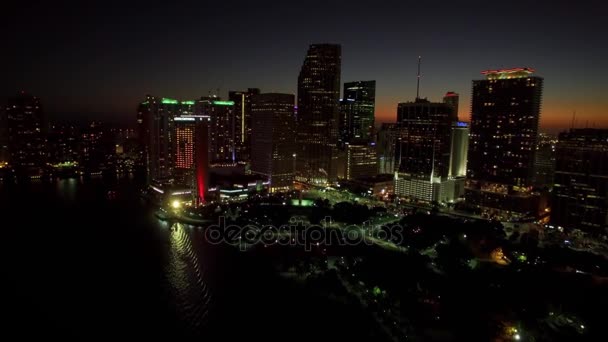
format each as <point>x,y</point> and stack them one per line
<point>97,61</point>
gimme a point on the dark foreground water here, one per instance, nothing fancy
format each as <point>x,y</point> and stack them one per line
<point>79,266</point>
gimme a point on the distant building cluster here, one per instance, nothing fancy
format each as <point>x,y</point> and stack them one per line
<point>497,164</point>
<point>33,148</point>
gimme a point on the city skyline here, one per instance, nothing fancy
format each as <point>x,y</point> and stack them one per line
<point>278,170</point>
<point>92,65</point>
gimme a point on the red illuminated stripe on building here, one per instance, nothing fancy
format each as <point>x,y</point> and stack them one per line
<point>202,159</point>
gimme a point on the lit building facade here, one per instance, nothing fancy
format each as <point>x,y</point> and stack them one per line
<point>505,113</point>
<point>544,160</point>
<point>318,112</point>
<point>458,158</point>
<point>273,139</point>
<point>25,135</point>
<point>222,128</point>
<point>386,143</point>
<point>423,151</point>
<point>361,160</point>
<point>357,112</point>
<point>156,132</point>
<point>242,122</point>
<point>191,154</point>
<point>580,190</point>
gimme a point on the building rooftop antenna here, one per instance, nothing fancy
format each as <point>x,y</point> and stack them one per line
<point>418,79</point>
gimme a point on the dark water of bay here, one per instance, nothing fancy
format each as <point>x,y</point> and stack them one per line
<point>79,266</point>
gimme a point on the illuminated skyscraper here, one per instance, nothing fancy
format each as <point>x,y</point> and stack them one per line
<point>458,157</point>
<point>273,139</point>
<point>544,160</point>
<point>184,140</point>
<point>318,102</point>
<point>191,153</point>
<point>580,190</point>
<point>156,132</point>
<point>357,112</point>
<point>505,113</point>
<point>222,128</point>
<point>361,160</point>
<point>386,144</point>
<point>25,134</point>
<point>423,150</point>
<point>242,124</point>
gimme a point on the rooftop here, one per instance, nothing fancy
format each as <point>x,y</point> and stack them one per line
<point>501,74</point>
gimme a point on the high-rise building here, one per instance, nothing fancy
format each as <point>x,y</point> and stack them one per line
<point>451,98</point>
<point>26,134</point>
<point>458,157</point>
<point>423,150</point>
<point>505,112</point>
<point>273,139</point>
<point>242,114</point>
<point>222,128</point>
<point>544,160</point>
<point>318,109</point>
<point>191,153</point>
<point>386,144</point>
<point>459,149</point>
<point>580,190</point>
<point>156,132</point>
<point>357,112</point>
<point>361,160</point>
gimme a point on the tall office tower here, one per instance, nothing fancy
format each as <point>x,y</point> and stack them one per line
<point>458,157</point>
<point>357,112</point>
<point>144,116</point>
<point>459,149</point>
<point>156,132</point>
<point>386,143</point>
<point>318,102</point>
<point>580,190</point>
<point>273,139</point>
<point>361,160</point>
<point>505,112</point>
<point>222,128</point>
<point>191,152</point>
<point>544,160</point>
<point>242,124</point>
<point>451,98</point>
<point>423,150</point>
<point>26,134</point>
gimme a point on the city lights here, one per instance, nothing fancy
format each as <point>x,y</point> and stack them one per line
<point>215,176</point>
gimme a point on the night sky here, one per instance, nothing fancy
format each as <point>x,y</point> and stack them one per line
<point>98,61</point>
